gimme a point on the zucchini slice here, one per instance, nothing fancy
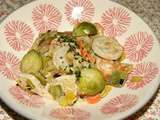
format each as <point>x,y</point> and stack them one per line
<point>31,62</point>
<point>55,91</point>
<point>41,78</point>
<point>107,48</point>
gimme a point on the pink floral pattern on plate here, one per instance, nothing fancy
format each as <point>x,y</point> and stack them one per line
<point>119,104</point>
<point>115,21</point>
<point>70,114</point>
<point>19,35</point>
<point>46,17</point>
<point>79,10</point>
<point>138,46</point>
<point>9,65</point>
<point>26,98</point>
<point>147,71</point>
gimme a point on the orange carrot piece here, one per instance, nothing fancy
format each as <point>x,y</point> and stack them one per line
<point>93,99</point>
<point>106,77</point>
<point>85,53</point>
<point>122,67</point>
<point>80,43</point>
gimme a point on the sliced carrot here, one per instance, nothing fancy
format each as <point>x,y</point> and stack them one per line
<point>91,58</point>
<point>85,53</point>
<point>122,67</point>
<point>106,77</point>
<point>126,68</point>
<point>93,99</point>
<point>80,44</point>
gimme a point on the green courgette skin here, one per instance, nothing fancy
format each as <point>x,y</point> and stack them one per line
<point>55,91</point>
<point>31,63</point>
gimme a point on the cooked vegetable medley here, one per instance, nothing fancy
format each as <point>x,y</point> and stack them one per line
<point>82,64</point>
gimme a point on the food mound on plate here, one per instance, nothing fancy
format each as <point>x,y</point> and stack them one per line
<point>77,65</point>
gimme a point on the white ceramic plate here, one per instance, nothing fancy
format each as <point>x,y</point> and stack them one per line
<point>19,29</point>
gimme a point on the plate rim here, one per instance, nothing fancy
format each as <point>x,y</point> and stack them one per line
<point>132,112</point>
